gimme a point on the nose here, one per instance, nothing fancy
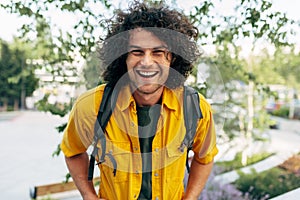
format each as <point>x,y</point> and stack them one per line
<point>147,59</point>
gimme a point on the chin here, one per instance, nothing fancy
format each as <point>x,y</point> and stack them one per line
<point>149,89</point>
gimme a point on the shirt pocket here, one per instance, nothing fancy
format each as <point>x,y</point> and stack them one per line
<point>120,152</point>
<point>175,163</point>
<point>175,172</point>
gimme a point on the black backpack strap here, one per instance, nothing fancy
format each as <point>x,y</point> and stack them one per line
<point>192,113</point>
<point>105,110</point>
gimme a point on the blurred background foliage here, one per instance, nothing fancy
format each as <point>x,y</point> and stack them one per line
<point>41,44</point>
<point>44,56</point>
<point>272,58</point>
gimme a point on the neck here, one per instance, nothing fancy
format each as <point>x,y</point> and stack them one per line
<point>143,99</point>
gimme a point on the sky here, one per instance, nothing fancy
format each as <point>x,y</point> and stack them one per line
<point>9,23</point>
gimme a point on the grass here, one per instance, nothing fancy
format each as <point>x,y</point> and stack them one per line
<point>236,163</point>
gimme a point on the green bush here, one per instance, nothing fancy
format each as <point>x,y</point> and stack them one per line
<point>10,108</point>
<point>282,112</point>
<point>268,184</point>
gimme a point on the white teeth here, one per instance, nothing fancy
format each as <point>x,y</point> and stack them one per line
<point>147,74</point>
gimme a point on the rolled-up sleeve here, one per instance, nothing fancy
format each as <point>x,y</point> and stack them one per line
<point>205,147</point>
<point>79,133</point>
<point>71,143</point>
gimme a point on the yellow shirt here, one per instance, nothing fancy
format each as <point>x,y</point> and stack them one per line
<point>168,162</point>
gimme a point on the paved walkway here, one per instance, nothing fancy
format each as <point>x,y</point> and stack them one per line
<point>28,140</point>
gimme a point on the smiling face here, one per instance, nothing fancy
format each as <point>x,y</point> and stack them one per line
<point>148,61</point>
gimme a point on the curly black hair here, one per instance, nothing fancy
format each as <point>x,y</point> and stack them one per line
<point>167,24</point>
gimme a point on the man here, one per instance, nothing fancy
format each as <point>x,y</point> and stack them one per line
<point>148,54</point>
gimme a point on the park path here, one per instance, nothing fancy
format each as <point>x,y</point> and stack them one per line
<point>27,142</point>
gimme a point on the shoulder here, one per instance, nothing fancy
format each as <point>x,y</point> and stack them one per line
<point>90,100</point>
<point>87,95</point>
<point>203,102</point>
<point>205,107</point>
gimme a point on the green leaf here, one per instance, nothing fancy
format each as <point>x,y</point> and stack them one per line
<point>61,128</point>
<point>57,151</point>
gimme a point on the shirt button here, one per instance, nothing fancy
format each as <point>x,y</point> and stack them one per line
<point>137,171</point>
<point>156,149</point>
<point>135,148</point>
<point>132,124</point>
<point>156,198</point>
<point>156,174</point>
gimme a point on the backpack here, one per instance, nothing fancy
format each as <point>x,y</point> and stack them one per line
<point>192,113</point>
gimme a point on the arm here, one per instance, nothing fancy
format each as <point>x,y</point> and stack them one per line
<point>78,167</point>
<point>197,179</point>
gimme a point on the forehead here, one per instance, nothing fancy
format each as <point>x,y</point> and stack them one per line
<point>145,39</point>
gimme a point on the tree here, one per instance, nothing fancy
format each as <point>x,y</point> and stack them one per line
<point>253,20</point>
<point>17,78</point>
<point>92,71</point>
<point>282,68</point>
<point>4,67</point>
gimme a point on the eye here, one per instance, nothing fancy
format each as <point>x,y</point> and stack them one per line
<point>137,52</point>
<point>159,52</point>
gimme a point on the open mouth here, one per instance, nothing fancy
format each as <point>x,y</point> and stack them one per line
<point>147,74</point>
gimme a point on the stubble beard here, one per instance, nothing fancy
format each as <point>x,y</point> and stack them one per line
<point>153,90</point>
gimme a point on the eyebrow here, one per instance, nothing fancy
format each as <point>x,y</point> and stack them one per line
<point>138,47</point>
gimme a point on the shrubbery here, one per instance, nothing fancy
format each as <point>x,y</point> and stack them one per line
<point>282,112</point>
<point>215,190</point>
<point>254,185</point>
<point>267,184</point>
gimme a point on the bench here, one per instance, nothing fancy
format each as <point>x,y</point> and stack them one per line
<point>55,188</point>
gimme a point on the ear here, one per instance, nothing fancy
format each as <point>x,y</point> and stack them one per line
<point>173,58</point>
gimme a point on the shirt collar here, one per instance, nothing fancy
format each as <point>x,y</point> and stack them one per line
<point>125,98</point>
<point>171,99</point>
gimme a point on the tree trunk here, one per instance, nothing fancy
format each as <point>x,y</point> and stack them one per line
<point>16,104</point>
<point>292,105</point>
<point>249,131</point>
<point>5,105</point>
